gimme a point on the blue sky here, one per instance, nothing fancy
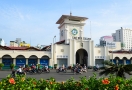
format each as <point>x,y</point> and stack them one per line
<point>34,20</point>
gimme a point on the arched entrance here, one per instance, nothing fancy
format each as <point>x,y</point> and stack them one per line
<point>81,57</point>
<point>33,60</point>
<point>20,60</point>
<point>7,60</point>
<point>44,60</point>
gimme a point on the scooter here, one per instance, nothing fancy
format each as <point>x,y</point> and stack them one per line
<point>77,71</point>
<point>95,68</point>
<point>61,70</point>
<point>47,70</point>
<point>14,73</point>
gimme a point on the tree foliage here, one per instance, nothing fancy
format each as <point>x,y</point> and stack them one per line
<point>117,69</point>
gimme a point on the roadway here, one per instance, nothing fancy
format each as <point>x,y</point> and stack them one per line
<point>58,76</point>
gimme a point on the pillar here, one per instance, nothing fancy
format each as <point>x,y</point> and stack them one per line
<point>38,61</point>
<point>26,61</point>
<point>74,56</point>
<point>89,54</point>
<point>124,61</point>
<point>0,60</point>
<point>14,61</point>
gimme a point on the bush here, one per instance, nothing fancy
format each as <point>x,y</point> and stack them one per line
<point>26,66</point>
<point>55,66</point>
<point>1,65</point>
<point>12,66</point>
<point>92,83</point>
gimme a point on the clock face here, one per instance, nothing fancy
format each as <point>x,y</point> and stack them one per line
<point>74,31</point>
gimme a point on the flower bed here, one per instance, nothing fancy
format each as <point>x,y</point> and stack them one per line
<point>22,83</point>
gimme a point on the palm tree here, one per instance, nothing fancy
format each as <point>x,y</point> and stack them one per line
<point>117,69</point>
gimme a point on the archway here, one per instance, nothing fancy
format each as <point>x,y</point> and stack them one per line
<point>44,60</point>
<point>20,60</point>
<point>33,60</point>
<point>7,60</point>
<point>115,60</point>
<point>81,57</point>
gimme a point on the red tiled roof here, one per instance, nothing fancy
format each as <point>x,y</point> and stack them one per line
<point>18,48</point>
<point>121,51</point>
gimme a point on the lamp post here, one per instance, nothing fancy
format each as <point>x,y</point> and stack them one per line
<point>53,49</point>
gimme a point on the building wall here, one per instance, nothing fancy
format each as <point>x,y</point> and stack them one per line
<point>123,35</point>
<point>26,54</point>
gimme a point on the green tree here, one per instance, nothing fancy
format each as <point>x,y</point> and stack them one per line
<point>117,69</point>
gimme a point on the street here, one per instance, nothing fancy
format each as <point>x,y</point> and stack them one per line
<point>58,76</point>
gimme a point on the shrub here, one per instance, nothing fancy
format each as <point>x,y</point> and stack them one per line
<point>91,83</point>
<point>27,66</point>
<point>55,66</point>
<point>1,65</point>
<point>12,66</point>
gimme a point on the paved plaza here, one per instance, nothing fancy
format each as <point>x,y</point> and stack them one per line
<point>58,76</point>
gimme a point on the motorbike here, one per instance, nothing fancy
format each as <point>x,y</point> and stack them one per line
<point>26,69</point>
<point>61,70</point>
<point>47,70</point>
<point>33,71</point>
<point>84,70</point>
<point>14,73</point>
<point>95,68</point>
<point>78,71</point>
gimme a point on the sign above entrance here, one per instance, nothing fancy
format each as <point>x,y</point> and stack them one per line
<point>81,38</point>
<point>62,56</point>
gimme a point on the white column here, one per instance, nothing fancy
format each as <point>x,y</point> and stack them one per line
<point>0,60</point>
<point>38,60</point>
<point>66,38</point>
<point>124,62</point>
<point>26,61</point>
<point>14,61</point>
<point>81,33</point>
<point>74,56</point>
<point>70,53</point>
<point>116,61</point>
<point>89,54</point>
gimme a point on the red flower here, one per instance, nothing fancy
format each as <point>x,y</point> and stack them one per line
<point>51,83</point>
<point>12,81</point>
<point>86,89</point>
<point>105,81</point>
<point>34,83</point>
<point>117,87</point>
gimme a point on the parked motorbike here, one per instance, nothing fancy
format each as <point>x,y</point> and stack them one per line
<point>61,70</point>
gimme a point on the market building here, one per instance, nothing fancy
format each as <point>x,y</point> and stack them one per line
<point>72,48</point>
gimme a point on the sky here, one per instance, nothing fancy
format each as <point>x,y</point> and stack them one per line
<point>34,21</point>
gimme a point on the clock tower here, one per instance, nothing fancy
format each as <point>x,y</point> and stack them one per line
<point>70,27</point>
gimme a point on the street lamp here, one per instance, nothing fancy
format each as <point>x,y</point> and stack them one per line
<point>53,49</point>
